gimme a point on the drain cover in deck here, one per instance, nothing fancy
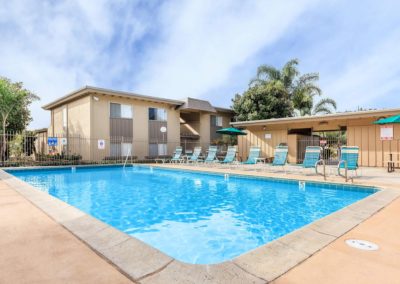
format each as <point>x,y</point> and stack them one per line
<point>361,244</point>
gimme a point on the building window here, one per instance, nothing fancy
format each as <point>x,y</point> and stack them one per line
<point>126,149</point>
<point>162,149</point>
<point>115,149</point>
<point>157,149</point>
<point>120,111</point>
<point>159,114</point>
<point>120,149</point>
<point>216,120</point>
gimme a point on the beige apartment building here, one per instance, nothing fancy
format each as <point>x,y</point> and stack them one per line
<point>100,124</point>
<point>329,131</point>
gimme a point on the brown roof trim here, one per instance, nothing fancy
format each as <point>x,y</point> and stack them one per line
<point>222,109</point>
<point>89,89</point>
<point>41,130</point>
<point>192,104</point>
<point>334,116</point>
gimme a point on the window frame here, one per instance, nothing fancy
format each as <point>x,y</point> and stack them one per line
<point>120,110</point>
<point>218,118</point>
<point>163,145</point>
<point>165,114</point>
<point>120,149</point>
<point>215,119</point>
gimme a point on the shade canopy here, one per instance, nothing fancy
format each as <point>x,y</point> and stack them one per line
<point>389,120</point>
<point>231,131</point>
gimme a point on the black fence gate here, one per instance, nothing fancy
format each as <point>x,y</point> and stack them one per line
<point>330,147</point>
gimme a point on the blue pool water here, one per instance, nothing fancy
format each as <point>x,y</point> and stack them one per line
<point>193,217</point>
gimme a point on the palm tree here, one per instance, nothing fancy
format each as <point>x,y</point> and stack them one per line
<point>301,89</point>
<point>267,73</point>
<point>324,106</point>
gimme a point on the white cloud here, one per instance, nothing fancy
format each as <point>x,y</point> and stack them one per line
<point>55,47</point>
<point>196,48</point>
<point>203,41</point>
<point>368,78</point>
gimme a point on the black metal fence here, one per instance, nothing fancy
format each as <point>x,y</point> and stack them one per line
<point>38,149</point>
<point>330,148</point>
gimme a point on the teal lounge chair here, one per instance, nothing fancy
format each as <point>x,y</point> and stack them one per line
<point>254,153</point>
<point>211,156</point>
<point>177,158</point>
<point>311,159</point>
<point>280,158</point>
<point>195,156</point>
<point>348,159</point>
<point>230,156</point>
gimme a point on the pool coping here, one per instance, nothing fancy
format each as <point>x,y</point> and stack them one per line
<point>144,264</point>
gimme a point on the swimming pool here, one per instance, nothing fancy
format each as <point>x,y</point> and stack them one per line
<point>194,217</point>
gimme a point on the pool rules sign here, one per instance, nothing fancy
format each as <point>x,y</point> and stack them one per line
<point>101,144</point>
<point>386,132</point>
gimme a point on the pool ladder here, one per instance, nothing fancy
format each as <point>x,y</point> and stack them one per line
<point>127,156</point>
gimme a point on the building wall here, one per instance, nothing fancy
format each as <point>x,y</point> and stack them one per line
<point>204,129</point>
<point>256,137</point>
<point>360,132</point>
<point>57,118</point>
<point>78,128</point>
<point>89,121</point>
<point>373,151</point>
<point>78,117</point>
<point>174,129</point>
<point>226,119</point>
<point>101,124</point>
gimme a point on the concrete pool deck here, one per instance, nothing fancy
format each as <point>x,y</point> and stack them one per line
<point>143,264</point>
<point>36,249</point>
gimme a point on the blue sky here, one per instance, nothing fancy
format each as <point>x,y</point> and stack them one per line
<point>205,49</point>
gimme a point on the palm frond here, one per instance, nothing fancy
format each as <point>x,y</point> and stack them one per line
<point>322,110</point>
<point>291,64</point>
<point>326,102</point>
<point>290,72</point>
<point>325,106</point>
<point>308,78</point>
<point>268,72</point>
<point>311,89</point>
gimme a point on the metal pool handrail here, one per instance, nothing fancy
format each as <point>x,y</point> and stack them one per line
<point>127,156</point>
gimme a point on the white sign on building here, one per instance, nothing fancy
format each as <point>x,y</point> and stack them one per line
<point>387,132</point>
<point>64,141</point>
<point>268,136</point>
<point>101,144</point>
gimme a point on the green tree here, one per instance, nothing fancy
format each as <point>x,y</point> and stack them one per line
<point>14,105</point>
<point>264,101</point>
<point>16,146</point>
<point>14,108</point>
<point>299,89</point>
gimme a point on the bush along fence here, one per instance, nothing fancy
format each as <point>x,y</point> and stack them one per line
<point>38,149</point>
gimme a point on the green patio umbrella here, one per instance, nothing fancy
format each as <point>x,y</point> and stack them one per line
<point>389,120</point>
<point>231,131</point>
